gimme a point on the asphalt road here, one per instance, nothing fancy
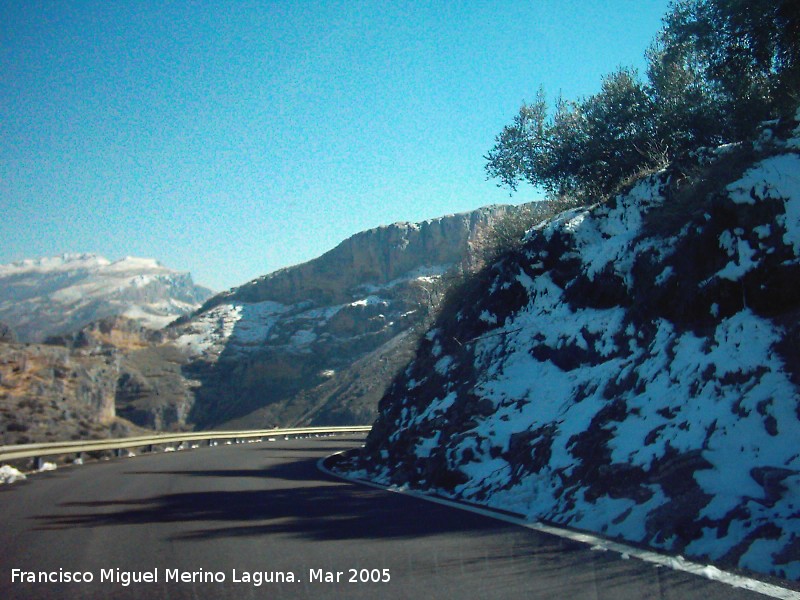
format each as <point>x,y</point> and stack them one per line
<point>242,510</point>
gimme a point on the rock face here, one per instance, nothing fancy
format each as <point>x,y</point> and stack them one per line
<point>151,390</point>
<point>74,386</point>
<point>52,296</point>
<point>91,384</point>
<point>319,342</point>
<point>632,371</point>
<point>48,393</point>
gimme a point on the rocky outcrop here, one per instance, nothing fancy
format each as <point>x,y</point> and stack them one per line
<point>44,297</point>
<point>95,382</point>
<point>108,335</point>
<point>48,393</point>
<point>633,370</point>
<point>150,388</point>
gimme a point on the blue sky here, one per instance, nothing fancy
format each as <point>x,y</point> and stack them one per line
<point>230,139</point>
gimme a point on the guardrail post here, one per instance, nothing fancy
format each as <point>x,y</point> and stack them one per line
<point>38,463</point>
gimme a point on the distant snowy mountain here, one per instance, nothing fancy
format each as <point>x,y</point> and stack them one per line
<point>55,295</point>
<point>633,371</point>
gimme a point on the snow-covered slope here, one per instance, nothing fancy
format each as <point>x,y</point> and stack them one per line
<point>49,296</point>
<point>258,359</point>
<point>633,371</point>
<point>239,327</point>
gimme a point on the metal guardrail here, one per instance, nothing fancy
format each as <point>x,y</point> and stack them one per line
<point>75,447</point>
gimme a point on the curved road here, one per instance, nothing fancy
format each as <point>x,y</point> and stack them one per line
<point>256,508</point>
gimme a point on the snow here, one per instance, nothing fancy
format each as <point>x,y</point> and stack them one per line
<point>423,274</point>
<point>488,317</point>
<point>141,281</point>
<point>790,222</point>
<point>775,178</point>
<point>65,292</point>
<point>443,365</point>
<point>742,344</point>
<point>150,320</point>
<point>244,327</point>
<point>742,254</point>
<point>425,445</point>
<point>439,407</point>
<point>133,263</point>
<point>9,474</point>
<point>256,321</point>
<point>664,276</point>
<point>54,264</point>
<point>369,301</point>
<point>604,235</point>
<point>210,330</point>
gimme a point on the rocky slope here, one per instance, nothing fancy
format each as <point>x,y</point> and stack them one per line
<point>50,393</point>
<point>319,342</point>
<point>632,371</point>
<point>53,296</point>
<point>83,385</point>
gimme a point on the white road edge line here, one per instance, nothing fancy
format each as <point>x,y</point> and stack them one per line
<point>597,543</point>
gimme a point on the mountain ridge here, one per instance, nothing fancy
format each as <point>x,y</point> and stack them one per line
<point>274,340</point>
<point>374,256</point>
<point>58,295</point>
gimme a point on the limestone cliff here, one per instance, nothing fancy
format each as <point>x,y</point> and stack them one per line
<point>74,386</point>
<point>371,258</point>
